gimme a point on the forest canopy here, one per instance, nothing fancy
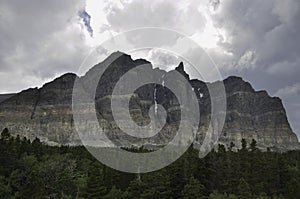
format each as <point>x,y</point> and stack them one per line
<point>31,169</point>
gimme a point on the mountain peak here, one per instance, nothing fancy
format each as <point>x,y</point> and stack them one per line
<point>237,84</point>
<point>180,69</point>
<point>47,112</point>
<point>118,55</point>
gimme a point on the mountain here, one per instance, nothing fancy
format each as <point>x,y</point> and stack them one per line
<point>47,112</point>
<point>4,97</point>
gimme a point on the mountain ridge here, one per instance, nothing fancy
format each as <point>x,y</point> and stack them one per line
<point>46,112</point>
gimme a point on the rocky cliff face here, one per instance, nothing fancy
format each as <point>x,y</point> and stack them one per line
<point>4,97</point>
<point>255,115</point>
<point>47,112</point>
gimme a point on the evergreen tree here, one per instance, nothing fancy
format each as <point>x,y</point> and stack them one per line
<point>244,145</point>
<point>157,185</point>
<point>114,193</point>
<point>95,185</point>
<point>4,188</point>
<point>135,189</point>
<point>244,190</point>
<point>193,190</point>
<point>253,146</point>
<point>5,135</point>
<point>34,170</point>
<point>293,185</point>
<point>177,178</point>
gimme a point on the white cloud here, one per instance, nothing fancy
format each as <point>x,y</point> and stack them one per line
<point>289,91</point>
<point>247,60</point>
<point>179,15</point>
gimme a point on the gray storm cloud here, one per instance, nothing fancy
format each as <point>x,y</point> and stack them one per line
<point>39,40</point>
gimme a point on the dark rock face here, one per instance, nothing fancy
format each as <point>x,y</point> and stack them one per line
<point>47,112</point>
<point>255,115</point>
<point>44,112</point>
<point>4,97</point>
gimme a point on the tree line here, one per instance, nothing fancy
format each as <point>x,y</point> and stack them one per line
<point>31,169</point>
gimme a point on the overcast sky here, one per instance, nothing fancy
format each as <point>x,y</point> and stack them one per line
<point>258,40</point>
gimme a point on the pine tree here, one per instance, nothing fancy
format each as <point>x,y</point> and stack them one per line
<point>157,185</point>
<point>293,185</point>
<point>4,188</point>
<point>244,145</point>
<point>253,146</point>
<point>193,190</point>
<point>95,183</point>
<point>135,189</point>
<point>114,193</point>
<point>5,135</point>
<point>244,190</point>
<point>177,180</point>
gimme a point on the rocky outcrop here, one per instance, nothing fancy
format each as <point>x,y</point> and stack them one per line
<point>255,115</point>
<point>4,97</point>
<point>47,112</point>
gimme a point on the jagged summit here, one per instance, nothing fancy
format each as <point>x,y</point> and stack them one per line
<point>122,58</point>
<point>180,69</point>
<point>117,61</point>
<point>47,112</point>
<point>67,78</point>
<point>237,84</point>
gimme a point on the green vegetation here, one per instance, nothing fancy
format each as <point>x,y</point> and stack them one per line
<point>33,170</point>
